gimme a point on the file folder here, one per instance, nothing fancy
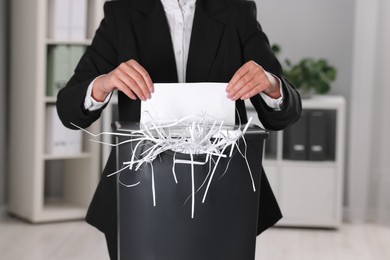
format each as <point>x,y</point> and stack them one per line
<point>295,139</point>
<point>317,136</point>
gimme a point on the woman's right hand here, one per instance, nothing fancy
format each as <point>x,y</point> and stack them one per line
<point>129,77</point>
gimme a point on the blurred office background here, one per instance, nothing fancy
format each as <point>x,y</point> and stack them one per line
<point>354,36</point>
<point>3,96</point>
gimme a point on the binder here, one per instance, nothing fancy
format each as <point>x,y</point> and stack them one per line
<point>77,19</point>
<point>271,145</point>
<point>75,53</point>
<point>317,136</point>
<point>59,139</point>
<point>61,62</point>
<point>59,13</point>
<point>57,69</point>
<point>295,139</point>
<point>68,19</point>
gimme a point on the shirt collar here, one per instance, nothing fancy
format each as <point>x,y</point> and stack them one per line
<point>174,6</point>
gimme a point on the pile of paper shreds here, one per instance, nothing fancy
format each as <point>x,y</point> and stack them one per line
<point>192,135</point>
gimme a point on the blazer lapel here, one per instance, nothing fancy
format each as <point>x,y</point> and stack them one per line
<point>152,32</point>
<point>205,40</point>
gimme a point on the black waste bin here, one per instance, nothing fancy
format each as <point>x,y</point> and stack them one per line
<point>221,228</point>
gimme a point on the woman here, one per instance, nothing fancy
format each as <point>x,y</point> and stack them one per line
<point>144,41</point>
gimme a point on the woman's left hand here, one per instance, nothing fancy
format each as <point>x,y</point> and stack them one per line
<point>250,80</point>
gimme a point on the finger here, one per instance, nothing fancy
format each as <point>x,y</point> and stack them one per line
<point>246,89</point>
<point>132,85</point>
<point>122,74</point>
<point>147,81</point>
<point>236,77</point>
<point>237,88</point>
<point>141,70</point>
<point>260,84</point>
<point>250,92</point>
<point>122,86</point>
<point>136,82</point>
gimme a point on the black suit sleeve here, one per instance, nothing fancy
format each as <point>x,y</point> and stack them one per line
<point>256,47</point>
<point>99,58</point>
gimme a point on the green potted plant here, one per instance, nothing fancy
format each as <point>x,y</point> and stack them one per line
<point>309,76</point>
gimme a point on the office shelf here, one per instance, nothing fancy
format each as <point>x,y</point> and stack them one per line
<point>309,192</point>
<point>44,187</point>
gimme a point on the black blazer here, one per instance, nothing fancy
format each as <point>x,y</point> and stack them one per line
<point>225,35</point>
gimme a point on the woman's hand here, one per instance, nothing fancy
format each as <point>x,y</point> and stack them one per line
<point>250,80</point>
<point>129,77</point>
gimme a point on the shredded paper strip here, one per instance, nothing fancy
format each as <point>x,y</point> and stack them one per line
<point>192,135</point>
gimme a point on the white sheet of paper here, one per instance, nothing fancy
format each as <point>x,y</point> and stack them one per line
<point>184,99</point>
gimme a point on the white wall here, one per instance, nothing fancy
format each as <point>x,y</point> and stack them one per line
<point>2,101</point>
<point>368,196</point>
<point>318,29</point>
<point>312,28</point>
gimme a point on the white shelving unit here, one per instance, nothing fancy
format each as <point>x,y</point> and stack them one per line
<point>310,192</point>
<point>32,171</point>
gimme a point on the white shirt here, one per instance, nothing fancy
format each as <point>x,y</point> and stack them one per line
<point>180,17</point>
